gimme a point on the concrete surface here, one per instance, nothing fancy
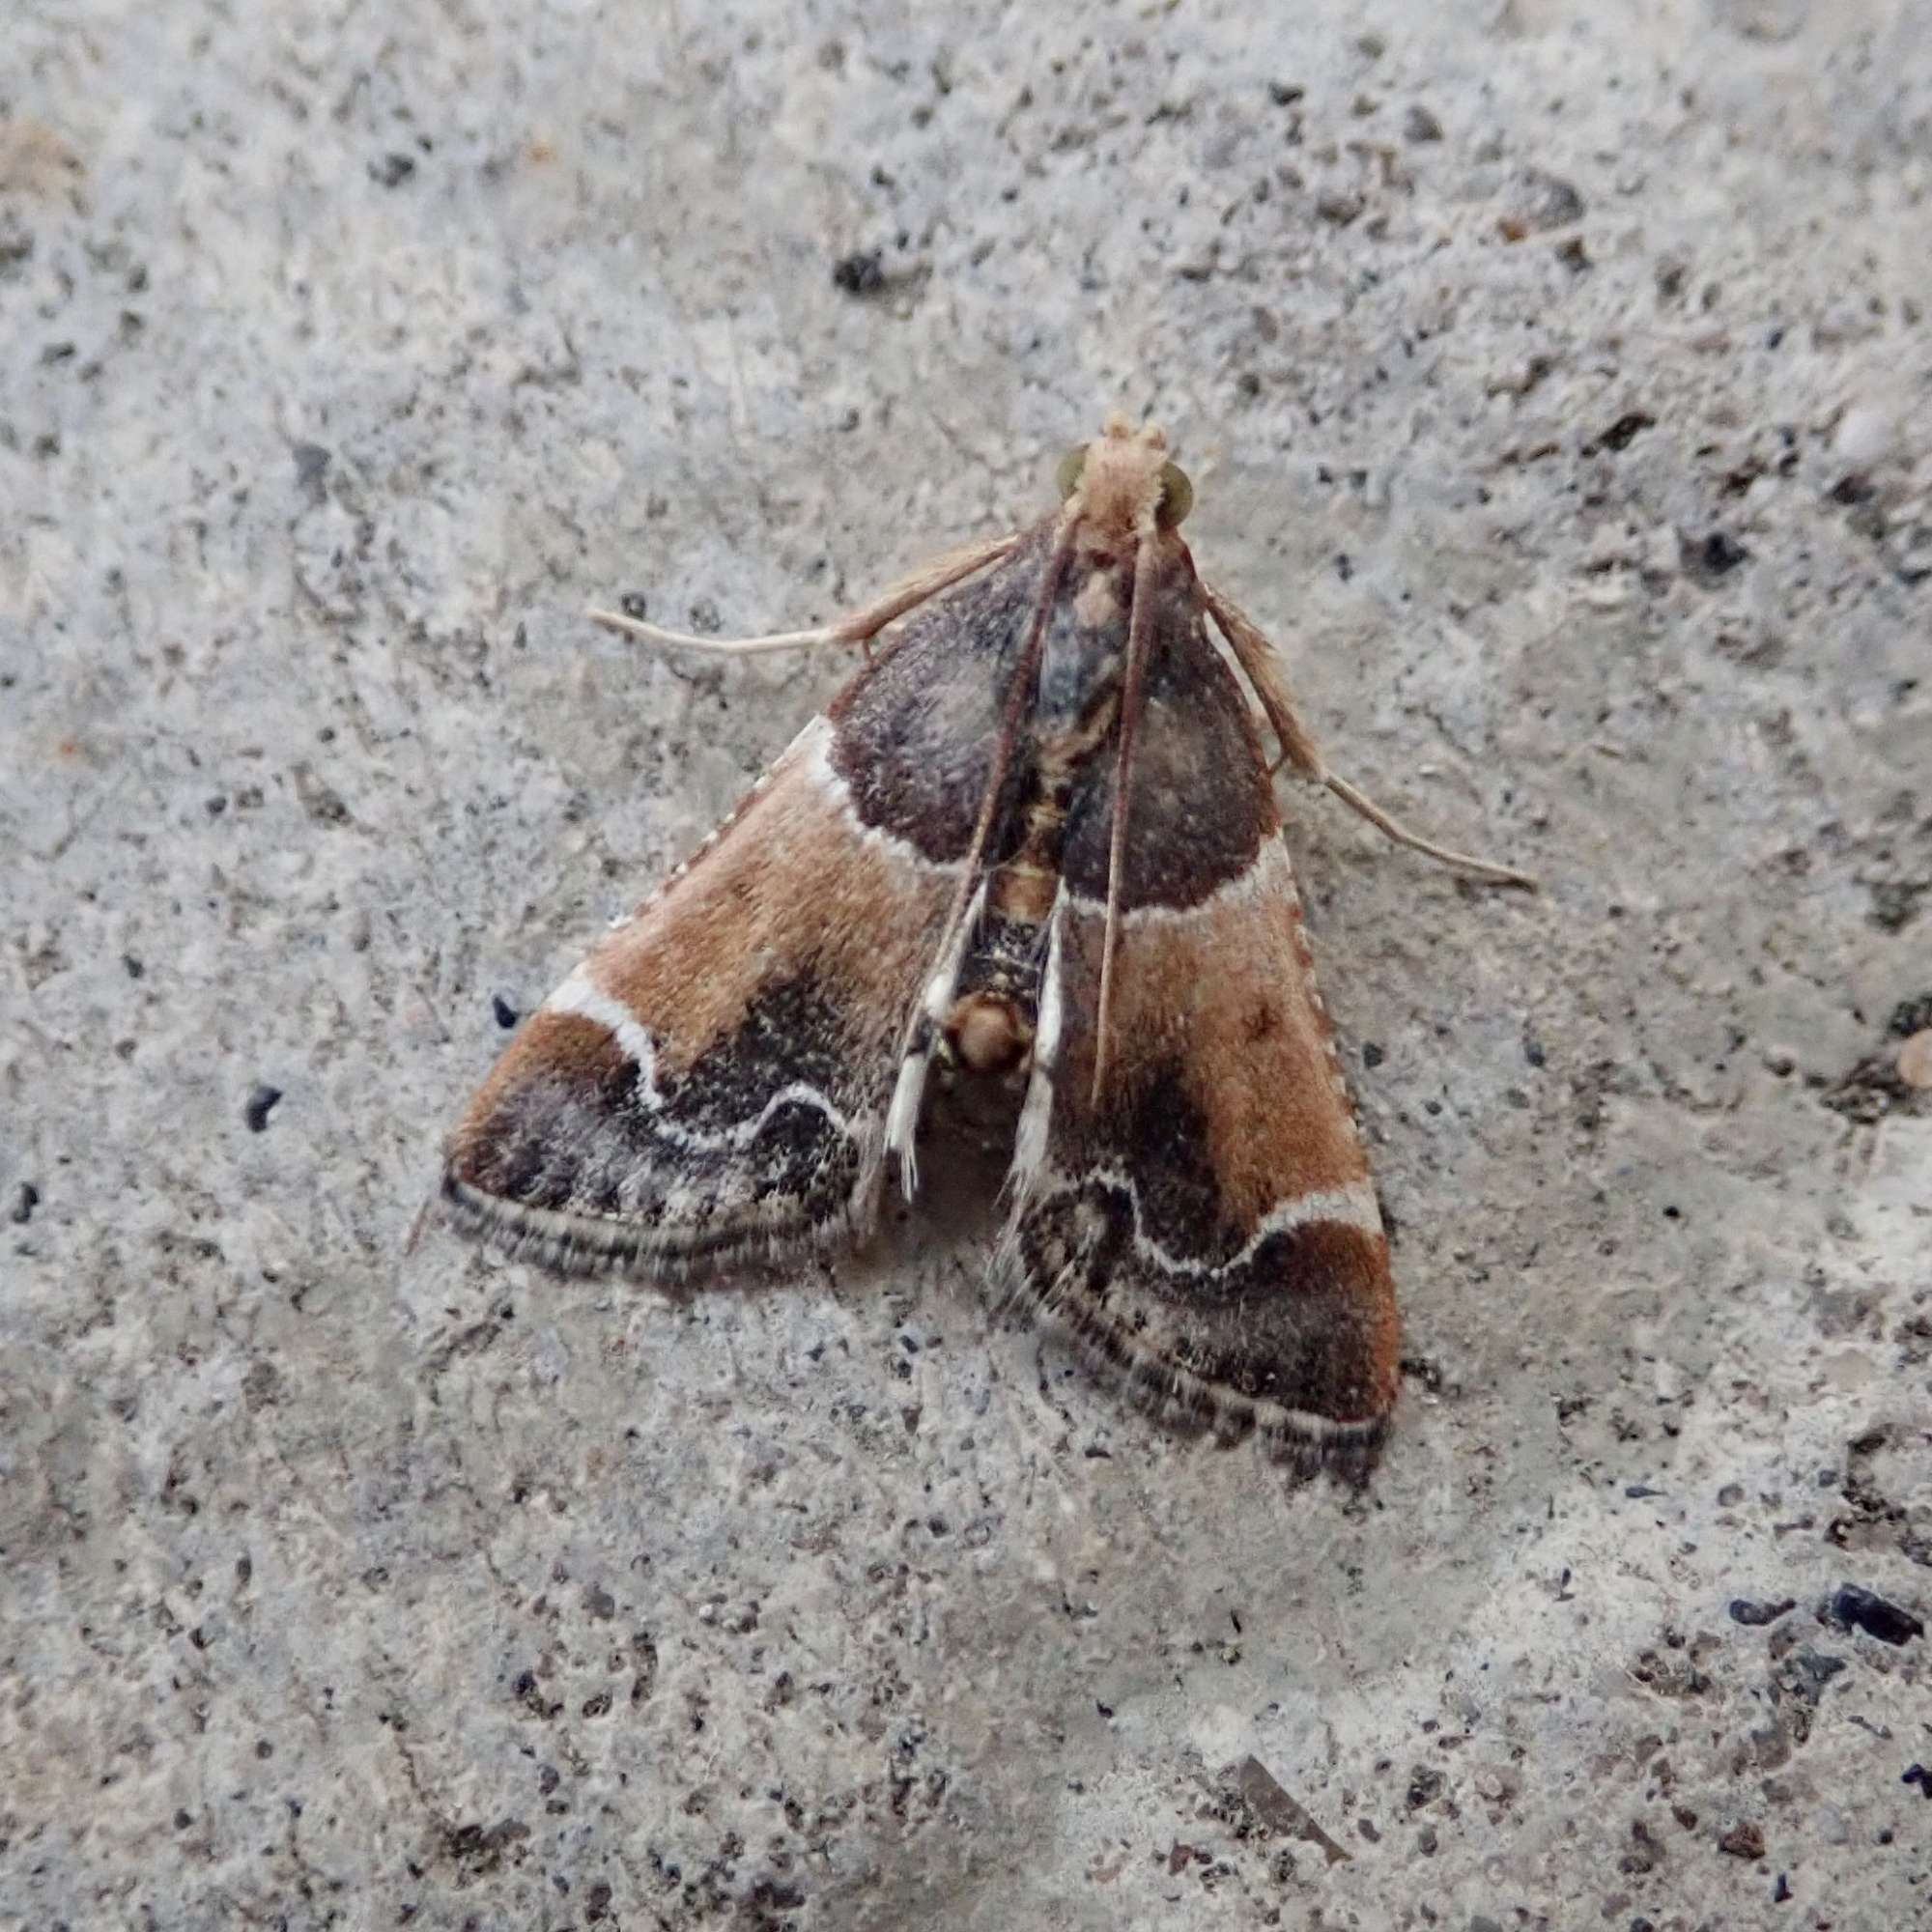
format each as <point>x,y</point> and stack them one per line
<point>1556,383</point>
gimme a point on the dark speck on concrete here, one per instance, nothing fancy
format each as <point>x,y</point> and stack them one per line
<point>1544,201</point>
<point>1859,1609</point>
<point>1716,555</point>
<point>26,1198</point>
<point>859,274</point>
<point>311,461</point>
<point>1755,1614</point>
<point>1742,1841</point>
<point>260,1105</point>
<point>1625,430</point>
<point>506,1014</point>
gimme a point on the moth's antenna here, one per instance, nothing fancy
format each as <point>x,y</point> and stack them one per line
<point>1140,630</point>
<point>1393,828</point>
<point>856,627</point>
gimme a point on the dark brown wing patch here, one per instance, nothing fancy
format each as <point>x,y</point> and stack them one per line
<point>915,737</point>
<point>1202,802</point>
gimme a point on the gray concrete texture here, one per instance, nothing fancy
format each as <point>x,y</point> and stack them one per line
<point>1556,383</point>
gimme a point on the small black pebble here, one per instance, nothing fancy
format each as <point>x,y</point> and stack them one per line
<point>311,461</point>
<point>1859,1608</point>
<point>1720,553</point>
<point>1917,1774</point>
<point>633,604</point>
<point>859,274</point>
<point>1781,1891</point>
<point>1625,430</point>
<point>506,1013</point>
<point>1756,1615</point>
<point>25,1199</point>
<point>1372,1054</point>
<point>261,1104</point>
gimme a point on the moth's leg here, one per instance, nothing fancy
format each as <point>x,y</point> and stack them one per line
<point>1262,665</point>
<point>1393,828</point>
<point>857,627</point>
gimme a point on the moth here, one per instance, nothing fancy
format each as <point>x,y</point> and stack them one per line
<point>1032,846</point>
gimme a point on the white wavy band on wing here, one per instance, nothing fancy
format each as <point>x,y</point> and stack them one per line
<point>580,996</point>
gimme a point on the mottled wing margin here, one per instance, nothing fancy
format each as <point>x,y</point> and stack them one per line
<point>710,1085</point>
<point>1210,1227</point>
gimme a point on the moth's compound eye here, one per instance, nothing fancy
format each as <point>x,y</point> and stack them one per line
<point>1176,496</point>
<point>1066,478</point>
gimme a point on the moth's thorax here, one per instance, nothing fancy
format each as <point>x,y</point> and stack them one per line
<point>1086,639</point>
<point>1085,647</point>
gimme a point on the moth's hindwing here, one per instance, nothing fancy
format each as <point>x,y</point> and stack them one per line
<point>711,1084</point>
<point>1207,1224</point>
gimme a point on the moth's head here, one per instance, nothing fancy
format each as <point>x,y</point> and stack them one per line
<point>1121,482</point>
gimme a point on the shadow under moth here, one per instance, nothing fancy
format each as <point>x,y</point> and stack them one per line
<point>1032,846</point>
